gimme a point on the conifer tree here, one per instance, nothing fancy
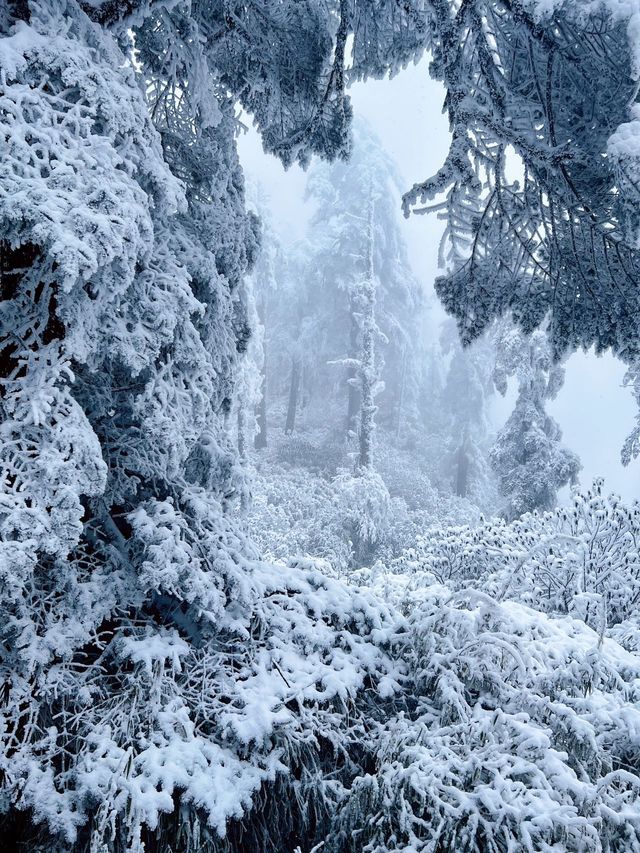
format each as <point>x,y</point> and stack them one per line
<point>528,457</point>
<point>129,593</point>
<point>341,236</point>
<point>540,187</point>
<point>463,418</point>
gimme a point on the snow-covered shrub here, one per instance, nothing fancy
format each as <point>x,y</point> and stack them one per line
<point>582,558</point>
<point>363,506</point>
<point>266,706</point>
<point>519,732</point>
<point>343,520</point>
<point>319,451</point>
<point>294,512</point>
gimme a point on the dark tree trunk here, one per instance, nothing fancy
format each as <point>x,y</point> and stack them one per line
<point>462,472</point>
<point>293,397</point>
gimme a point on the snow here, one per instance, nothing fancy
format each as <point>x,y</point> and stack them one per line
<point>166,684</point>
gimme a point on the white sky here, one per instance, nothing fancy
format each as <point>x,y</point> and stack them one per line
<point>593,409</point>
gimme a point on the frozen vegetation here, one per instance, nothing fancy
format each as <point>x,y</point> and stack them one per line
<point>271,576</point>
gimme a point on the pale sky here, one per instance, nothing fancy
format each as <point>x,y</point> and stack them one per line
<point>594,411</point>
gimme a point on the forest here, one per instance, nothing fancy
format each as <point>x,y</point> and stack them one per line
<point>296,554</point>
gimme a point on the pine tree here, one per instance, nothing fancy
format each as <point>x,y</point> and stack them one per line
<point>631,446</point>
<point>463,418</point>
<point>131,599</point>
<point>339,240</point>
<point>528,457</point>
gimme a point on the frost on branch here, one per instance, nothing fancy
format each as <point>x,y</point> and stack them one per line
<point>538,190</point>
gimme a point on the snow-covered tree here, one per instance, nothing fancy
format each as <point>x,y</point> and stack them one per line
<point>341,237</point>
<point>263,283</point>
<point>528,457</point>
<point>135,614</point>
<point>540,186</point>
<point>463,420</point>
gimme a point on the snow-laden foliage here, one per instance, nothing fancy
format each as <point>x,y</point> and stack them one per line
<point>114,541</point>
<point>163,687</point>
<point>539,187</point>
<point>214,717</point>
<point>528,457</point>
<point>581,559</point>
<point>139,630</point>
<point>520,732</point>
<point>302,505</point>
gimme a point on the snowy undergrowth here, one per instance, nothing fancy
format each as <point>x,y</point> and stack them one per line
<point>300,507</point>
<point>517,726</point>
<point>399,714</point>
<point>582,559</point>
<point>520,732</point>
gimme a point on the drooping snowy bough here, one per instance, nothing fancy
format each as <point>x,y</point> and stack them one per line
<point>540,187</point>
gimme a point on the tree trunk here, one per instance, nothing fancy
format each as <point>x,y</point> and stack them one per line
<point>400,404</point>
<point>293,397</point>
<point>462,471</point>
<point>260,440</point>
<point>353,389</point>
<point>368,377</point>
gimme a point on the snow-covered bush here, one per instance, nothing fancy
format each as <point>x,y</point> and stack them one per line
<point>363,506</point>
<point>519,732</point>
<point>582,558</point>
<point>343,520</point>
<point>293,512</point>
<point>321,451</point>
<point>266,706</point>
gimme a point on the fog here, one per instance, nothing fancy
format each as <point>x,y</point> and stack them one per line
<point>594,409</point>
